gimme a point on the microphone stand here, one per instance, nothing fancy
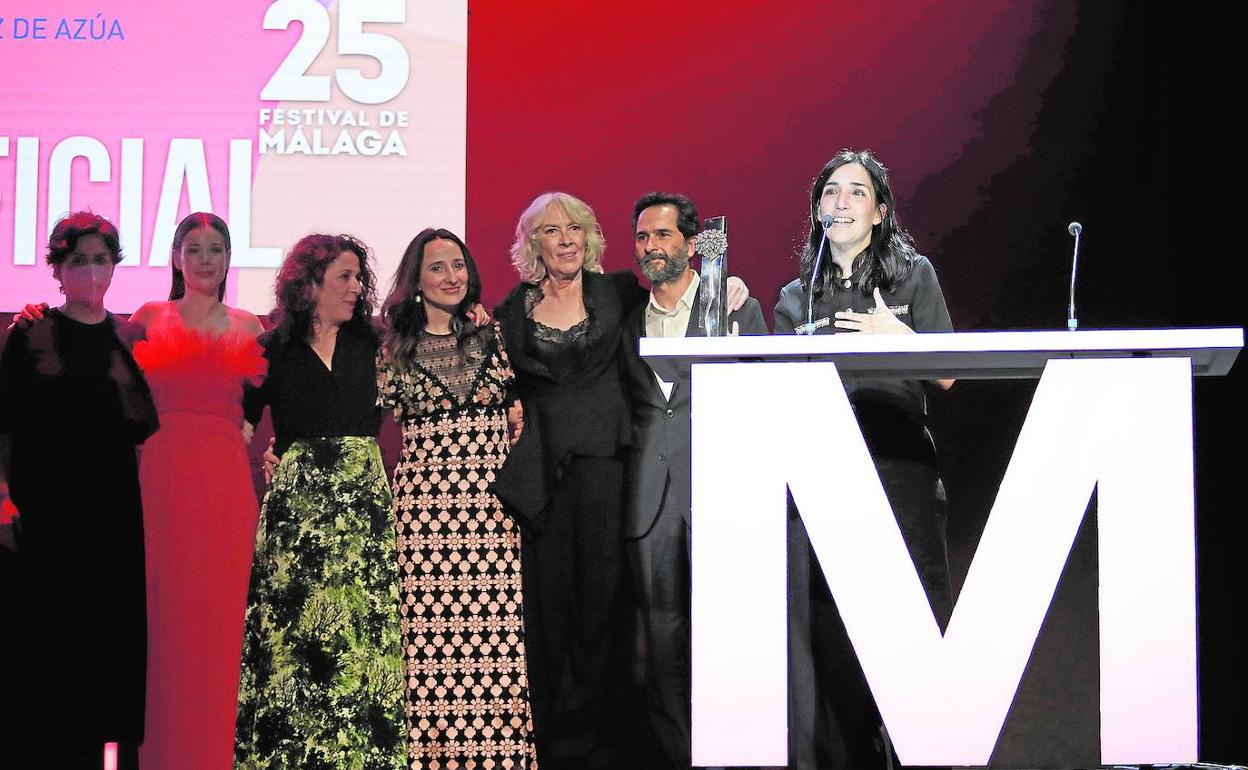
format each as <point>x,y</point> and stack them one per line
<point>814,274</point>
<point>1072,322</point>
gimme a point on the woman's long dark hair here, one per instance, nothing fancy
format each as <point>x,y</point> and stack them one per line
<point>303,270</point>
<point>404,311</point>
<point>888,258</point>
<point>192,222</point>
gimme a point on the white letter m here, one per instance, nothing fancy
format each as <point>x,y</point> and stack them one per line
<point>1121,426</point>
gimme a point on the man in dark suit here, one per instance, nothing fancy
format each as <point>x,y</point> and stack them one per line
<point>657,508</point>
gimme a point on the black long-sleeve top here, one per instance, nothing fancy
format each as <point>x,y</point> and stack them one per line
<point>74,404</point>
<point>892,413</point>
<point>310,401</point>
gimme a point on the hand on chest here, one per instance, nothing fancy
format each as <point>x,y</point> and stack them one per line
<point>851,299</point>
<point>848,310</point>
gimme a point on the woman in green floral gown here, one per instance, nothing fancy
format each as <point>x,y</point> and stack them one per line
<point>322,683</point>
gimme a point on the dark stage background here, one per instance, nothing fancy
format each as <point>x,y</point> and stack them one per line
<point>1001,122</point>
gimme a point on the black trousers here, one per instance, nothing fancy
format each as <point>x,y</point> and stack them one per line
<point>577,621</point>
<point>658,563</point>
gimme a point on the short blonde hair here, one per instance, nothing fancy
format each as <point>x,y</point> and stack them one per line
<point>524,251</point>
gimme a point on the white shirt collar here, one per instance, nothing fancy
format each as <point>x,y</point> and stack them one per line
<point>685,302</point>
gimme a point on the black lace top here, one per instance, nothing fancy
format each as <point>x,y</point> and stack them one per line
<point>440,378</point>
<point>562,351</point>
<point>569,381</point>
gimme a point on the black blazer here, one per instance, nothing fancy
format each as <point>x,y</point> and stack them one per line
<point>585,414</point>
<point>661,434</point>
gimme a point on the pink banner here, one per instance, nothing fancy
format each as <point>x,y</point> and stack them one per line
<point>287,119</point>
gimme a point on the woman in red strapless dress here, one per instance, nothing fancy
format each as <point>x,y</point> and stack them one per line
<point>199,503</point>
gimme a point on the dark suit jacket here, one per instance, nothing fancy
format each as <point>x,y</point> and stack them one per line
<point>659,462</point>
<point>585,414</point>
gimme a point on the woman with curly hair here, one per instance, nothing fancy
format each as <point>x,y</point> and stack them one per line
<point>322,680</point>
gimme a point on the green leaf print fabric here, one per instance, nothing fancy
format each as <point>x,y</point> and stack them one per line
<point>322,680</point>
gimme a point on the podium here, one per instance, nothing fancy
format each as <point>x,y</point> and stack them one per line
<point>1112,413</point>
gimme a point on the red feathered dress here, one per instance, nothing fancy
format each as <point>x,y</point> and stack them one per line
<point>200,514</point>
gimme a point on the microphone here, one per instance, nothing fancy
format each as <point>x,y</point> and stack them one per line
<point>825,221</point>
<point>1072,323</point>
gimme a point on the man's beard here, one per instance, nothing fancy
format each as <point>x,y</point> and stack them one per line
<point>670,269</point>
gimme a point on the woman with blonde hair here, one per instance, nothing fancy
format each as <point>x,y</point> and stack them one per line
<point>565,477</point>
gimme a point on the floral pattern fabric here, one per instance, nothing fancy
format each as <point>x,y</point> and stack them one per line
<point>322,684</point>
<point>459,559</point>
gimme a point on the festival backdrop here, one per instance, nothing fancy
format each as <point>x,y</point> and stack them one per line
<point>1002,121</point>
<point>285,118</point>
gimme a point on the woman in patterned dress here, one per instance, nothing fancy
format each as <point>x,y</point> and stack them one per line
<point>449,383</point>
<point>322,681</point>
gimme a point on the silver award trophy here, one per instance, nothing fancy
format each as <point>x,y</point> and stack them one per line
<point>712,244</point>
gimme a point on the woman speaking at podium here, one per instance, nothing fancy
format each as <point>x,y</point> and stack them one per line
<point>861,274</point>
